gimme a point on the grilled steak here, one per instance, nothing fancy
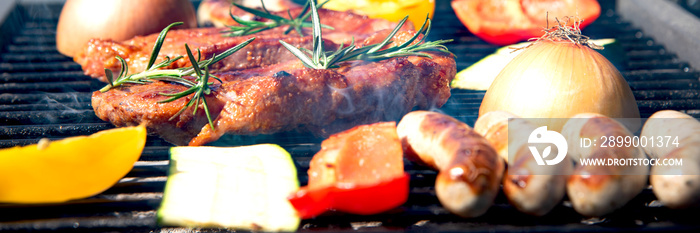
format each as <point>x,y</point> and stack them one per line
<point>287,96</point>
<point>265,89</point>
<point>264,50</point>
<point>272,99</point>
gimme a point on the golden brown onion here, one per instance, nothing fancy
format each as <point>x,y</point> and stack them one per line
<point>82,20</point>
<point>558,79</point>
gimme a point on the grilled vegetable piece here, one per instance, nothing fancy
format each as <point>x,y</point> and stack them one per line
<point>357,171</point>
<point>237,187</point>
<point>363,199</point>
<point>481,74</point>
<point>507,22</point>
<point>72,168</point>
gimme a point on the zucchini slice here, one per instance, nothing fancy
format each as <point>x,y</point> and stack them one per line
<point>237,187</point>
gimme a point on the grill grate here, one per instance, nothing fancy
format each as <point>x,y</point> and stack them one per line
<point>45,94</point>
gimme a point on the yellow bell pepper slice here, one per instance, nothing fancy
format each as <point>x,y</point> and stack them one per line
<point>72,168</point>
<point>392,10</point>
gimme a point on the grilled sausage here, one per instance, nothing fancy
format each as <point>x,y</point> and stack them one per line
<point>493,126</point>
<point>530,188</point>
<point>675,186</point>
<point>469,168</point>
<point>599,190</point>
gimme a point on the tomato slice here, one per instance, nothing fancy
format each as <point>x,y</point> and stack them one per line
<point>364,154</point>
<point>504,22</point>
<point>538,11</point>
<point>361,199</point>
<point>358,171</point>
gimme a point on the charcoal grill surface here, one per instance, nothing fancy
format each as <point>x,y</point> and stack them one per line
<point>45,94</point>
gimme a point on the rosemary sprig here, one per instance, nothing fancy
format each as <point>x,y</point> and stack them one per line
<point>199,70</point>
<point>248,27</point>
<point>318,58</point>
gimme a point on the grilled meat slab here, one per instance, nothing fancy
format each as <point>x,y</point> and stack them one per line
<point>288,96</point>
<point>264,50</point>
<point>275,98</point>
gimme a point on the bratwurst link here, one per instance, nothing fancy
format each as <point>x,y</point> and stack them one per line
<point>470,170</point>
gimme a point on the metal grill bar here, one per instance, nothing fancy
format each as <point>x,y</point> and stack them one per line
<point>43,66</point>
<point>21,98</point>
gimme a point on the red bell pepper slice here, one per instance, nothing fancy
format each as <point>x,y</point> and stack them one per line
<point>354,199</point>
<point>507,22</point>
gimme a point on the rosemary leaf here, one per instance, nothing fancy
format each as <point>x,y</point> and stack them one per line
<point>206,112</point>
<point>124,68</point>
<point>230,51</point>
<point>175,96</point>
<point>108,75</point>
<point>263,14</point>
<point>387,40</point>
<point>195,63</point>
<point>299,54</point>
<point>159,44</point>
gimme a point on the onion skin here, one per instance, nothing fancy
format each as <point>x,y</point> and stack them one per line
<point>82,20</point>
<point>558,80</point>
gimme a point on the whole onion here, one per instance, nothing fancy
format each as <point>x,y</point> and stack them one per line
<point>558,76</point>
<point>82,20</point>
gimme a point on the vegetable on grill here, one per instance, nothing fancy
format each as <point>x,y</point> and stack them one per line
<point>82,20</point>
<point>68,169</point>
<point>237,187</point>
<point>504,22</point>
<point>481,74</point>
<point>558,76</point>
<point>358,171</point>
<point>392,10</point>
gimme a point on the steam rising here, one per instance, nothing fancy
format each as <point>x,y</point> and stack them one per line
<point>52,111</point>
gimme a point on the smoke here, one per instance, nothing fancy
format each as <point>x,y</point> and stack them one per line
<point>51,111</point>
<point>344,109</point>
